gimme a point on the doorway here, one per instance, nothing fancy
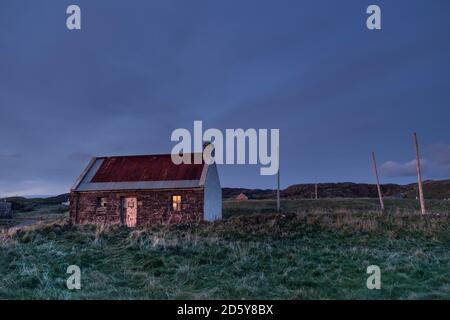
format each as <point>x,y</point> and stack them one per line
<point>129,207</point>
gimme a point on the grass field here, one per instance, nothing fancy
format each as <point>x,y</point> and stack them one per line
<point>313,250</point>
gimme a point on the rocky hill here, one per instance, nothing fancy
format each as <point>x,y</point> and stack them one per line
<point>433,189</point>
<point>439,189</point>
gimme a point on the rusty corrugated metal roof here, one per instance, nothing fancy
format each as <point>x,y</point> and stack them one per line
<point>145,168</point>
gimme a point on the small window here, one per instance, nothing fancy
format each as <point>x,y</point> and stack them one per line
<point>101,202</point>
<point>176,203</point>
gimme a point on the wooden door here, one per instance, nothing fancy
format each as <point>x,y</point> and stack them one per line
<point>130,210</point>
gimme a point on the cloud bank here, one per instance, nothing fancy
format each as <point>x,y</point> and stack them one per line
<point>436,163</point>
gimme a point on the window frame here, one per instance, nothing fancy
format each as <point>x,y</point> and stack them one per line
<point>102,202</point>
<point>176,200</point>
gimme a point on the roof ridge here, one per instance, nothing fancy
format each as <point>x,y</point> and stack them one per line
<point>142,155</point>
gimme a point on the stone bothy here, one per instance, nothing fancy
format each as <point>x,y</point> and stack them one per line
<point>145,190</point>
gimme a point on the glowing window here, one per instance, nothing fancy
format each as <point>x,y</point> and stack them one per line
<point>176,203</point>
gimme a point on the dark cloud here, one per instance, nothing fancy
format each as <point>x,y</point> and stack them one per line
<point>136,72</point>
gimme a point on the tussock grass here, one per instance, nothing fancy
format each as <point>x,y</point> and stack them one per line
<point>315,253</point>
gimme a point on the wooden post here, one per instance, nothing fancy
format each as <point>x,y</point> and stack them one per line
<point>278,182</point>
<point>419,175</point>
<point>375,171</point>
<point>315,191</point>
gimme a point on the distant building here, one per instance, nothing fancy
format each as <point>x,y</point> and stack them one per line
<point>241,197</point>
<point>5,210</point>
<point>148,189</point>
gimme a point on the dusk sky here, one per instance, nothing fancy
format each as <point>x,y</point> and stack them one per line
<point>137,70</point>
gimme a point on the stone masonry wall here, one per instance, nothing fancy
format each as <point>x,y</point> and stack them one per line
<point>153,206</point>
<point>5,210</point>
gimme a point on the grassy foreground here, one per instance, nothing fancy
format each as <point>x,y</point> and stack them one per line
<point>312,253</point>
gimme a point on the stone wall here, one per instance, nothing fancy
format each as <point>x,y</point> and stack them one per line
<point>153,206</point>
<point>5,210</point>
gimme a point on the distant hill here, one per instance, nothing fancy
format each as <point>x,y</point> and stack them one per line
<point>433,189</point>
<point>439,189</point>
<point>345,190</point>
<point>25,204</point>
<point>231,193</point>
